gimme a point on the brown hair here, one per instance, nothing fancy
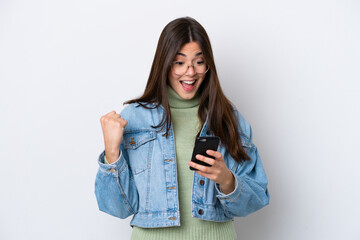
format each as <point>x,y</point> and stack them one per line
<point>222,120</point>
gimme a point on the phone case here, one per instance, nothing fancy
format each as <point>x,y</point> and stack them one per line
<point>201,145</point>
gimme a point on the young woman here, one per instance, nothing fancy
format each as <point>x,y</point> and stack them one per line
<point>144,169</point>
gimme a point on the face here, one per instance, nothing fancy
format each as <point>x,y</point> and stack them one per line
<point>188,84</point>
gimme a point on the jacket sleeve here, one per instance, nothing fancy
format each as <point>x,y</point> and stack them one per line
<point>115,189</point>
<point>250,193</point>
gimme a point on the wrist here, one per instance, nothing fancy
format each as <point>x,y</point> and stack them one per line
<point>112,156</point>
<point>228,186</point>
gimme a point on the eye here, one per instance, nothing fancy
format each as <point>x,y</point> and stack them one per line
<point>178,63</point>
<point>200,62</point>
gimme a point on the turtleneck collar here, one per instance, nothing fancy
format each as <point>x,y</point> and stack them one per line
<point>176,101</point>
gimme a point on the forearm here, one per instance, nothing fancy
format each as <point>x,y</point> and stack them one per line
<point>115,189</point>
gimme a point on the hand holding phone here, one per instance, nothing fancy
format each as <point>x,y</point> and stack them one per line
<point>201,145</point>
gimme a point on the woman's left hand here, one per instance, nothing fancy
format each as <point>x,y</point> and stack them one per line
<point>218,172</point>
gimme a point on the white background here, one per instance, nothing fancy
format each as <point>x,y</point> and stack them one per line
<point>291,67</point>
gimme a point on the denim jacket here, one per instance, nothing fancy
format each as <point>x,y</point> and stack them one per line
<point>143,181</point>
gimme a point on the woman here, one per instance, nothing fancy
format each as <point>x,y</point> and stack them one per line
<point>144,169</point>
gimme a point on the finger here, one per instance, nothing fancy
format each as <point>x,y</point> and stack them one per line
<point>215,154</point>
<point>199,166</point>
<point>205,159</point>
<point>207,175</point>
<point>107,116</point>
<point>110,113</point>
<point>116,116</point>
<point>123,122</point>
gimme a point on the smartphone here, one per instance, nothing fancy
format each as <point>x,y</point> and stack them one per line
<point>201,145</point>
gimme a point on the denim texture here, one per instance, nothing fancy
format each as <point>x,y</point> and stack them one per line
<point>143,181</point>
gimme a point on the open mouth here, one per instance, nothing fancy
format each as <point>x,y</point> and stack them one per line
<point>188,85</point>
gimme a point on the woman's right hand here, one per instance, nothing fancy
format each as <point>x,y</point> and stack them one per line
<point>113,127</point>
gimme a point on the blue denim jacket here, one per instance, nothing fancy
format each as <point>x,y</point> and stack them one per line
<point>143,181</point>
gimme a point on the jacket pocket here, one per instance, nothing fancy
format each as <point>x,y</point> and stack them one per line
<point>139,146</point>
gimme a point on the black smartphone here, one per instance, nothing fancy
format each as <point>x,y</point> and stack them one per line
<point>201,145</point>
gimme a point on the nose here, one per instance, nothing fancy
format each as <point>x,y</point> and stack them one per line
<point>190,71</point>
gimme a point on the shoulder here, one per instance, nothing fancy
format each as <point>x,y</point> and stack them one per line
<point>244,126</point>
<point>140,117</point>
<point>136,108</point>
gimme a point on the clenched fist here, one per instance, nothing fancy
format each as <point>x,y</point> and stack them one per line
<point>113,127</point>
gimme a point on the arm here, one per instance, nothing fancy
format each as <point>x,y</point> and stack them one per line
<point>115,189</point>
<point>250,193</point>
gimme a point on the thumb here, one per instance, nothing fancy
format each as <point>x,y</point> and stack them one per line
<point>124,122</point>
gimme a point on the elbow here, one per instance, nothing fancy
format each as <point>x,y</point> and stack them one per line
<point>114,212</point>
<point>111,207</point>
<point>254,204</point>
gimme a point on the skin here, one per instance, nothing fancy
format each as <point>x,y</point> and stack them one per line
<point>218,172</point>
<point>188,53</point>
<point>113,125</point>
<point>113,128</point>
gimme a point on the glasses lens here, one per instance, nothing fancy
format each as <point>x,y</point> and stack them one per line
<point>180,68</point>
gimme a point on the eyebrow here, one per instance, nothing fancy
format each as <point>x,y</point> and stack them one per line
<point>182,54</point>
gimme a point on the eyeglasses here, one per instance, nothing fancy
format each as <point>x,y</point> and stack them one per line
<point>180,68</point>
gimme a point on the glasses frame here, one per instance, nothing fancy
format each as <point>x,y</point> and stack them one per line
<point>192,65</point>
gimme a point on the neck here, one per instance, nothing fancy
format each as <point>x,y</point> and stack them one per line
<point>176,101</point>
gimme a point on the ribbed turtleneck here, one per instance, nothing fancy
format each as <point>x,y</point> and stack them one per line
<point>176,101</point>
<point>186,125</point>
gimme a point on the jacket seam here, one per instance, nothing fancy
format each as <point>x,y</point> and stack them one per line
<point>123,195</point>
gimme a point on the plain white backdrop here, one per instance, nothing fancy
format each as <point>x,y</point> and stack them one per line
<point>291,68</point>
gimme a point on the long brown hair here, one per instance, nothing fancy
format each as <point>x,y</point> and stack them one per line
<point>221,117</point>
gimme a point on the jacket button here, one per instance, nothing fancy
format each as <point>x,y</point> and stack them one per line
<point>201,212</point>
<point>202,182</point>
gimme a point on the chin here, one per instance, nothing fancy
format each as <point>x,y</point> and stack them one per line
<point>187,96</point>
